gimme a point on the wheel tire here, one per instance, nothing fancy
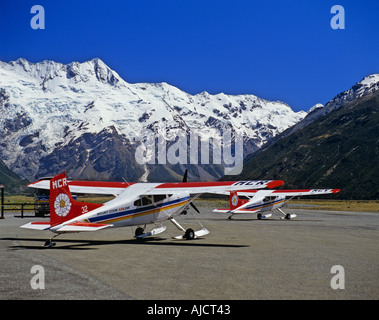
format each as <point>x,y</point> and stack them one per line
<point>139,231</point>
<point>259,216</point>
<point>190,234</point>
<point>288,216</point>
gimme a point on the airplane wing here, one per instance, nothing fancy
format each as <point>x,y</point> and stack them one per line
<point>95,187</point>
<point>286,193</point>
<point>195,188</point>
<point>257,196</point>
<point>304,192</point>
<point>116,188</point>
<point>212,187</point>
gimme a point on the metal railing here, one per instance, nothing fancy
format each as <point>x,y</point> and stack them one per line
<point>20,206</point>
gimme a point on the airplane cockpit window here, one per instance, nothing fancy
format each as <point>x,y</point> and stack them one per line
<point>159,197</point>
<point>146,200</point>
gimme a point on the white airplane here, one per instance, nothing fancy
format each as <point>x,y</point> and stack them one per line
<point>258,201</point>
<point>135,204</point>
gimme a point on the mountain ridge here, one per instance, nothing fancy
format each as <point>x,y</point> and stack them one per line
<point>364,87</point>
<point>50,109</point>
<point>339,149</point>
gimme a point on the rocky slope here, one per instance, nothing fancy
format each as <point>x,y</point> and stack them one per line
<point>337,150</point>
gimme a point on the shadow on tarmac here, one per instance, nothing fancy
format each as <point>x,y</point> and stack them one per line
<point>90,244</point>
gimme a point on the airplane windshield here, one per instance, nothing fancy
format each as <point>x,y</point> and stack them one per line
<point>147,200</point>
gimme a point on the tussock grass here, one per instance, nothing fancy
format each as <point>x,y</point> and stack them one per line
<point>339,205</point>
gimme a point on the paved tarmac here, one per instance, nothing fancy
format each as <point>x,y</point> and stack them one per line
<point>241,259</point>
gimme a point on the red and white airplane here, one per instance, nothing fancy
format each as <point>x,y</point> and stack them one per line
<point>258,201</point>
<point>135,204</point>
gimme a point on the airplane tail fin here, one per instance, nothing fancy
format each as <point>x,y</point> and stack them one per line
<point>62,206</point>
<point>235,201</point>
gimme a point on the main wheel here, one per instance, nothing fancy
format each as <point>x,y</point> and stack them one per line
<point>139,231</point>
<point>190,234</point>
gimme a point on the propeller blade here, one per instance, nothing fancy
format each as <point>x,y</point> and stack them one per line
<point>193,206</point>
<point>185,176</point>
<point>185,180</point>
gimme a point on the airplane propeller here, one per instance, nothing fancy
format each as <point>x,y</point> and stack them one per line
<point>185,176</point>
<point>193,206</point>
<point>185,180</point>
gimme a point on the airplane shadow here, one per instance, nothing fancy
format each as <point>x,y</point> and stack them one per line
<point>91,244</point>
<point>274,220</point>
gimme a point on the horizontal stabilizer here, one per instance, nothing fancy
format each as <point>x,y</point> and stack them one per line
<point>37,225</point>
<point>244,211</point>
<point>222,210</point>
<point>82,226</point>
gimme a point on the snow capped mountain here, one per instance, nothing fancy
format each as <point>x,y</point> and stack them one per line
<point>364,87</point>
<point>85,119</point>
<point>315,107</point>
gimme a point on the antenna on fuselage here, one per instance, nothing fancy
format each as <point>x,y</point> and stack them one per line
<point>126,181</point>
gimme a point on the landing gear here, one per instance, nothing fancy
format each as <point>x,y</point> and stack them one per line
<point>141,234</point>
<point>189,235</point>
<point>287,216</point>
<point>139,231</point>
<point>261,216</point>
<point>49,243</point>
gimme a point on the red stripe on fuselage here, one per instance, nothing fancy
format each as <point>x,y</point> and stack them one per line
<point>195,184</point>
<point>100,184</point>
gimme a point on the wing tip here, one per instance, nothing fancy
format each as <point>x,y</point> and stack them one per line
<point>275,183</point>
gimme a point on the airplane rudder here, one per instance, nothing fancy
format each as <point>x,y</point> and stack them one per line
<point>234,200</point>
<point>61,202</point>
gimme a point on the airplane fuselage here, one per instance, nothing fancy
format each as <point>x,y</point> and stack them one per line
<point>267,204</point>
<point>138,211</point>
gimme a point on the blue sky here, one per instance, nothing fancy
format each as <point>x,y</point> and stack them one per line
<point>277,50</point>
